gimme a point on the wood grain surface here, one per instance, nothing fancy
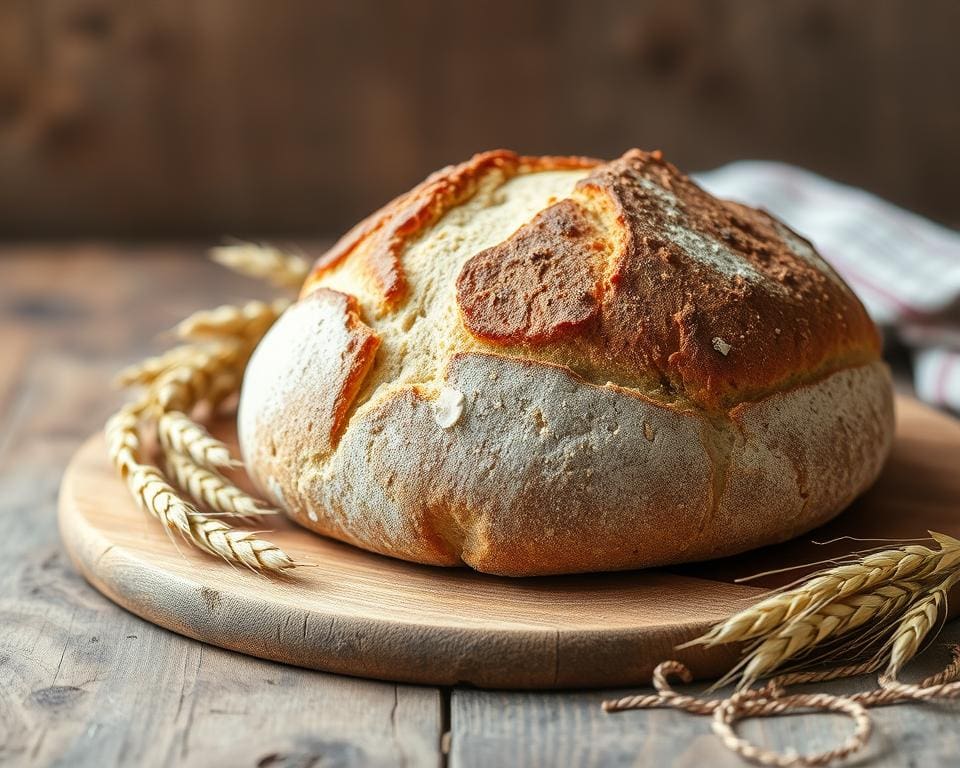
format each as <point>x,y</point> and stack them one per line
<point>85,683</point>
<point>82,682</point>
<point>172,117</point>
<point>363,614</point>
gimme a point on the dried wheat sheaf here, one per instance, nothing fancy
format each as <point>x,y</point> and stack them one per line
<point>869,612</point>
<point>192,495</point>
<point>887,596</point>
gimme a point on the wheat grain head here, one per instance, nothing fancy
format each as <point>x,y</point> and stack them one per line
<point>917,623</point>
<point>154,494</point>
<point>912,562</point>
<point>831,622</point>
<point>283,270</point>
<point>179,434</point>
<point>212,490</point>
<point>248,322</point>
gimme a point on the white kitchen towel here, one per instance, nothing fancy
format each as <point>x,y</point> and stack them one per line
<point>904,268</point>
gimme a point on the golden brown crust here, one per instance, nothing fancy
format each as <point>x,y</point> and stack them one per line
<point>709,297</point>
<point>379,239</point>
<point>579,371</point>
<point>538,285</point>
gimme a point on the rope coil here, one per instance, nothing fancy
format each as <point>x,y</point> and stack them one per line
<point>772,700</point>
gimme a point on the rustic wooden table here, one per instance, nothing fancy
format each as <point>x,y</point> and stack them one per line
<point>84,683</point>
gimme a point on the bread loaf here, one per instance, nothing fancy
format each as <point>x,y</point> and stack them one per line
<point>537,365</point>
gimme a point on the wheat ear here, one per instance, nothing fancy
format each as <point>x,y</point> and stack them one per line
<point>182,386</point>
<point>208,370</point>
<point>250,320</point>
<point>157,497</point>
<point>212,490</point>
<point>283,270</point>
<point>179,434</point>
<point>226,333</point>
<point>911,562</point>
<point>147,371</point>
<point>815,621</point>
<point>812,621</point>
<point>832,620</point>
<point>917,623</point>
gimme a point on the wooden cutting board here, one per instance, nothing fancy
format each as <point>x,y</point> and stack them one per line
<point>362,614</point>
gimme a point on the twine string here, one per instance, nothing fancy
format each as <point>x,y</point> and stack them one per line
<point>752,703</point>
<point>772,699</point>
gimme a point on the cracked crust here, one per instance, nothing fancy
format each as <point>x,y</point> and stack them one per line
<point>303,399</point>
<point>680,276</point>
<point>586,368</point>
<point>379,240</point>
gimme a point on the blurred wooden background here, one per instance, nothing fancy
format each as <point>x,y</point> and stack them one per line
<point>182,118</point>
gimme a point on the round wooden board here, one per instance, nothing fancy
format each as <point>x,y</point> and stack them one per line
<point>362,614</point>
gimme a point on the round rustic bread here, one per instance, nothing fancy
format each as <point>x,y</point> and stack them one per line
<point>537,365</point>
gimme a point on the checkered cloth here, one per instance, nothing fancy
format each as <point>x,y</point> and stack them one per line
<point>905,269</point>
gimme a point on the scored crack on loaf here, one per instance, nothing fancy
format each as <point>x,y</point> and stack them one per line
<point>548,365</point>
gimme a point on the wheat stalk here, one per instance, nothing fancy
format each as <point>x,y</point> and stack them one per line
<point>212,490</point>
<point>911,562</point>
<point>876,593</point>
<point>207,370</point>
<point>181,435</point>
<point>917,623</point>
<point>157,497</point>
<point>283,270</point>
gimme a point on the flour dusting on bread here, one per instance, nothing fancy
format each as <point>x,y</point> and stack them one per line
<point>547,365</point>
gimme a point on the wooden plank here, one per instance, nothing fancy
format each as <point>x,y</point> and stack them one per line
<point>570,729</point>
<point>14,352</point>
<point>230,116</point>
<point>84,683</point>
